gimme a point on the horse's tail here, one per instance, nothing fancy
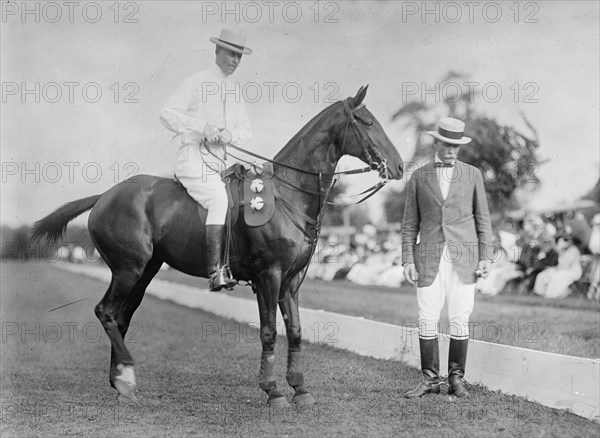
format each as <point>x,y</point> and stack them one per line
<point>53,226</point>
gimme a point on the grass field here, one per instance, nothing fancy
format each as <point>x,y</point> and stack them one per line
<point>570,326</point>
<point>55,378</point>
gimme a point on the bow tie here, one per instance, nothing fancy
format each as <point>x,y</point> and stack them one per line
<point>442,164</point>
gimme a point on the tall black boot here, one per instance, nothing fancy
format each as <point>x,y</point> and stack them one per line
<point>430,366</point>
<point>220,276</point>
<point>457,358</point>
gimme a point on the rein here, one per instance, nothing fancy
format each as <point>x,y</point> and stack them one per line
<point>289,166</point>
<point>367,149</point>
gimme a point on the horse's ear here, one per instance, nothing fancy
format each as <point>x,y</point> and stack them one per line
<point>360,96</point>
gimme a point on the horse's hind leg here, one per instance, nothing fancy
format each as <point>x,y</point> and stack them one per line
<point>109,312</point>
<point>295,369</point>
<point>129,307</point>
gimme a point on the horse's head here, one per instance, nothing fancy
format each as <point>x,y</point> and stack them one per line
<point>363,137</point>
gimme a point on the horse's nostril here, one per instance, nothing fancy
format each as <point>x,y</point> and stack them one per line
<point>400,167</point>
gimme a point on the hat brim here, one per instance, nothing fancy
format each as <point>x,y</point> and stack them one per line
<point>236,49</point>
<point>455,141</point>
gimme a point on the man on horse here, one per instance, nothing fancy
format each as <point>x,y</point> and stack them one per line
<point>206,113</point>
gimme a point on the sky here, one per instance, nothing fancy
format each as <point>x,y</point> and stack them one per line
<point>83,84</point>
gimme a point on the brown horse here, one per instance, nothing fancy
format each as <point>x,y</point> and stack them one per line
<point>146,221</point>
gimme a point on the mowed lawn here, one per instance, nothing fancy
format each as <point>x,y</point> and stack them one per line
<point>54,364</point>
<point>568,326</point>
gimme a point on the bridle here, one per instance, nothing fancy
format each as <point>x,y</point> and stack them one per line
<point>367,145</point>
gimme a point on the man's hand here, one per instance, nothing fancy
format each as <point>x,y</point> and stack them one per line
<point>211,132</point>
<point>411,274</point>
<point>483,269</point>
<point>225,136</point>
<point>191,137</point>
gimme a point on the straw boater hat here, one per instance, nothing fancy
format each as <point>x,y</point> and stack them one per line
<point>232,41</point>
<point>450,131</point>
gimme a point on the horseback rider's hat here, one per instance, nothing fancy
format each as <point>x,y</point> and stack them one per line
<point>450,131</point>
<point>233,41</point>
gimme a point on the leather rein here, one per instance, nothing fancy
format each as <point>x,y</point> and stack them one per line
<point>368,150</point>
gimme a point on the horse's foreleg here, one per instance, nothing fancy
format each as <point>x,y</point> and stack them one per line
<point>267,295</point>
<point>295,368</point>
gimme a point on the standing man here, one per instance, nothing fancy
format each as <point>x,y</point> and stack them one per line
<point>206,113</point>
<point>446,207</point>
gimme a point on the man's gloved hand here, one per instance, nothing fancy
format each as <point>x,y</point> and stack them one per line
<point>191,137</point>
<point>411,274</point>
<point>225,136</point>
<point>211,132</point>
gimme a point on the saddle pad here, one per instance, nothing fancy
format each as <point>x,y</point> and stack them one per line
<point>254,214</point>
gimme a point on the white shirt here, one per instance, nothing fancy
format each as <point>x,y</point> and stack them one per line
<point>444,175</point>
<point>207,97</point>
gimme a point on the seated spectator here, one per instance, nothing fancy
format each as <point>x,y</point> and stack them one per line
<point>502,271</point>
<point>393,273</point>
<point>508,242</point>
<point>593,292</point>
<point>533,260</point>
<point>594,242</point>
<point>554,282</point>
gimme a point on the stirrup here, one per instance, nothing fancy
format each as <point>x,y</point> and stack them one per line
<point>221,278</point>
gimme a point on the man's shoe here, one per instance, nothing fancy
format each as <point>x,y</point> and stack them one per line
<point>426,386</point>
<point>457,359</point>
<point>457,387</point>
<point>430,366</point>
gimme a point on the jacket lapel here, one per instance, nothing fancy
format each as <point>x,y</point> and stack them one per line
<point>432,181</point>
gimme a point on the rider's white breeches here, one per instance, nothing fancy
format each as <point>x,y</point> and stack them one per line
<point>200,173</point>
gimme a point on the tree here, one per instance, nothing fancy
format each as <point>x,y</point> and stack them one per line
<point>506,157</point>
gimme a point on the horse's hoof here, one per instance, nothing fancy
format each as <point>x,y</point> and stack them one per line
<point>304,399</point>
<point>125,384</point>
<point>278,402</point>
<point>126,392</point>
<point>121,398</point>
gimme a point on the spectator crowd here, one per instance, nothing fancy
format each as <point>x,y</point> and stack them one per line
<point>550,255</point>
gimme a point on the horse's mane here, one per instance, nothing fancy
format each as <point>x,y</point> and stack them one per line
<point>298,139</point>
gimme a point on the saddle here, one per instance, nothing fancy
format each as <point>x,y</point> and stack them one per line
<point>249,188</point>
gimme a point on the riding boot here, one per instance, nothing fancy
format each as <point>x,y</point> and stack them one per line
<point>220,276</point>
<point>430,366</point>
<point>457,359</point>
